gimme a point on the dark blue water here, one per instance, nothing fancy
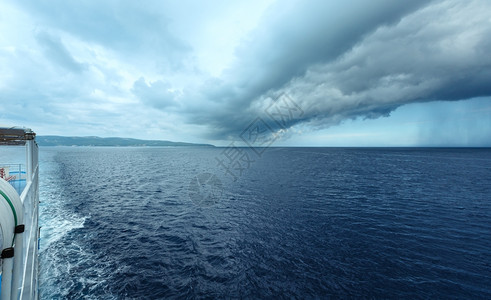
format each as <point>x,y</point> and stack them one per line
<point>124,223</point>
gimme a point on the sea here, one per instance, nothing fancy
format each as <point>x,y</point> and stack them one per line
<point>279,223</point>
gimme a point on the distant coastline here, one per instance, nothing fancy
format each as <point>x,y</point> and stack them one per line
<point>53,140</point>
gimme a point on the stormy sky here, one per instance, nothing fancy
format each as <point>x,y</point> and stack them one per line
<point>337,73</point>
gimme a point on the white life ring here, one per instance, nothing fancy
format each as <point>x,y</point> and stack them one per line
<point>11,213</point>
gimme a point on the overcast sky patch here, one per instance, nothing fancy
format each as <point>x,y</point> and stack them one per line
<point>202,72</point>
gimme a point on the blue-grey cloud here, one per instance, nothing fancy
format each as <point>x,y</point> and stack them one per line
<point>342,61</point>
<point>55,50</point>
<point>128,28</point>
<point>158,94</point>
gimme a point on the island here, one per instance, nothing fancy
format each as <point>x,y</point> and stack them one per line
<point>53,140</point>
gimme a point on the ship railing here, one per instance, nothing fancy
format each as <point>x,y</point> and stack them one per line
<point>15,174</point>
<point>24,275</point>
<point>28,276</point>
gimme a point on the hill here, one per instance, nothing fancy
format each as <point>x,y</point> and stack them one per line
<point>53,140</point>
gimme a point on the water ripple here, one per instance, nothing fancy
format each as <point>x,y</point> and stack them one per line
<point>300,223</point>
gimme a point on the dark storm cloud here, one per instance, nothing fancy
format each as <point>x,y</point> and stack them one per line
<point>438,53</point>
<point>342,61</point>
<point>293,36</point>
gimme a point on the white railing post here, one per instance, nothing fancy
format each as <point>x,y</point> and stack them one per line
<point>19,271</point>
<point>18,261</point>
<point>30,157</point>
<point>7,275</point>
